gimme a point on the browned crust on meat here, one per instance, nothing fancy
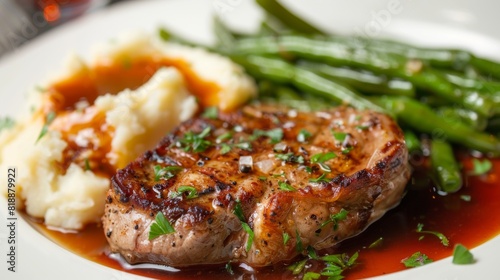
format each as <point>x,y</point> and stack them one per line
<point>367,181</point>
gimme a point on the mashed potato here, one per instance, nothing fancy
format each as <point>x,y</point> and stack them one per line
<point>235,88</point>
<point>64,175</point>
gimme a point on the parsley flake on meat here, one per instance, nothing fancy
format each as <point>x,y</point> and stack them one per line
<point>191,192</point>
<point>160,227</point>
<point>166,172</point>
<point>195,142</point>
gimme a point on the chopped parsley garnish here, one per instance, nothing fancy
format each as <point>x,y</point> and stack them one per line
<point>335,219</point>
<point>195,142</point>
<point>286,237</point>
<point>160,226</point>
<point>481,167</point>
<point>339,136</point>
<point>164,34</point>
<point>238,211</point>
<point>284,157</point>
<point>290,157</point>
<point>439,235</point>
<point>298,267</point>
<point>192,192</point>
<point>311,253</point>
<point>275,134</point>
<point>337,264</point>
<point>333,272</point>
<point>211,113</point>
<point>461,255</point>
<point>362,127</point>
<point>417,259</point>
<point>225,148</point>
<point>229,268</point>
<point>6,123</point>
<point>377,243</point>
<point>166,172</point>
<point>321,158</point>
<point>250,233</point>
<point>282,174</point>
<point>347,150</point>
<point>224,136</point>
<point>334,265</point>
<point>303,135</point>
<point>48,120</point>
<point>312,276</point>
<point>465,197</point>
<point>247,146</point>
<point>286,187</point>
<point>322,178</point>
<point>262,178</point>
<point>87,164</point>
<point>298,242</point>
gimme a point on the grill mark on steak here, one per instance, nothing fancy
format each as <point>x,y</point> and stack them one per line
<point>367,181</point>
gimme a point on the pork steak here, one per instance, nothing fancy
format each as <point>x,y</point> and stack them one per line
<point>257,186</point>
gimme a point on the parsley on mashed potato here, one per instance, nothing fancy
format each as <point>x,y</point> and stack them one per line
<point>135,90</point>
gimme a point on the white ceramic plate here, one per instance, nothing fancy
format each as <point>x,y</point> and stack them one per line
<point>466,24</point>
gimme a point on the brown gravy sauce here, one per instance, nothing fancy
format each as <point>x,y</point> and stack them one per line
<point>469,223</point>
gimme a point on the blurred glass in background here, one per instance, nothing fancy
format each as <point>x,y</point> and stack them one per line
<point>23,20</point>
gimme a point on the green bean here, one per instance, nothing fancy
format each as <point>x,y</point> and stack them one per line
<point>279,71</point>
<point>274,8</point>
<point>433,101</point>
<point>445,167</point>
<point>486,87</point>
<point>274,70</point>
<point>433,81</point>
<point>486,66</point>
<point>454,59</point>
<point>272,93</point>
<point>412,141</point>
<point>438,57</point>
<point>285,95</point>
<point>266,30</point>
<point>447,58</point>
<point>379,63</point>
<point>467,117</point>
<point>271,26</point>
<point>365,82</point>
<point>423,119</point>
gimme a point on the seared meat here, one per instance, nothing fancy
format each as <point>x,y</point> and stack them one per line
<point>314,178</point>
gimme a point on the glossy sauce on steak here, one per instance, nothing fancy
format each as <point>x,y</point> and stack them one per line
<point>257,186</point>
